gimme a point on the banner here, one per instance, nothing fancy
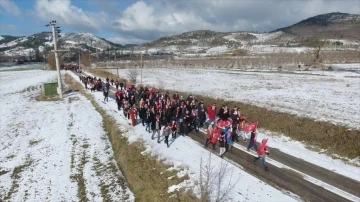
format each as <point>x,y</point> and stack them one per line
<point>250,127</point>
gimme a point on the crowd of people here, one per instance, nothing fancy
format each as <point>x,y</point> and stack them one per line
<point>163,114</point>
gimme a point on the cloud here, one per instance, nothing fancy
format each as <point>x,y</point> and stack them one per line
<point>8,28</point>
<point>71,16</point>
<point>126,40</point>
<point>10,7</point>
<point>142,21</point>
<point>153,19</point>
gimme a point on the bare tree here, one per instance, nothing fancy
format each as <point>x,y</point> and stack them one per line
<point>132,75</point>
<point>212,183</point>
<point>161,83</point>
<point>317,44</point>
<point>51,61</point>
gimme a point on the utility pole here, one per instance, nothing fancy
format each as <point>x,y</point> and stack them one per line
<point>55,31</point>
<point>117,66</point>
<point>141,66</point>
<point>53,24</point>
<point>79,55</point>
<point>90,53</point>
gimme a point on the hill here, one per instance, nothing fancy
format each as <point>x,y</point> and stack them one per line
<point>43,42</point>
<point>342,26</point>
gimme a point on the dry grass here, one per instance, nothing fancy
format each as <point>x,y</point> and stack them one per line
<point>43,97</point>
<point>335,139</point>
<point>145,174</point>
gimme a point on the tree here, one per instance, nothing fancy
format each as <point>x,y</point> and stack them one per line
<point>85,59</point>
<point>317,44</point>
<point>51,61</point>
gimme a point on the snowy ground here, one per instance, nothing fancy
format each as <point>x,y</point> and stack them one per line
<point>326,96</point>
<point>186,153</point>
<point>53,151</point>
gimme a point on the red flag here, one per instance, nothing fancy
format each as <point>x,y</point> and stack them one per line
<point>223,124</point>
<point>251,127</point>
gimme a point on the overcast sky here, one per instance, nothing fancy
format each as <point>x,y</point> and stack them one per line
<point>131,21</point>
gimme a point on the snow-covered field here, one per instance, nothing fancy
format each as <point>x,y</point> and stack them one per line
<point>184,153</point>
<point>326,96</point>
<point>53,151</point>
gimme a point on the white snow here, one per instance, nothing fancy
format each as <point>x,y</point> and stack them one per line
<point>1,38</point>
<point>217,50</point>
<point>71,42</point>
<point>263,37</point>
<point>41,48</point>
<point>325,96</point>
<point>43,145</point>
<point>187,154</point>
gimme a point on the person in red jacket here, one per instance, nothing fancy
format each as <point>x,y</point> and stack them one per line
<point>174,128</point>
<point>215,137</point>
<point>133,114</point>
<point>263,151</point>
<point>211,113</point>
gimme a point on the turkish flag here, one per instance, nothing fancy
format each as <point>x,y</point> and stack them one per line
<point>222,124</point>
<point>251,127</point>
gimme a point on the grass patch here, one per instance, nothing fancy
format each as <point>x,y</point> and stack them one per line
<point>3,172</point>
<point>79,179</point>
<point>10,157</point>
<point>34,142</point>
<point>43,97</point>
<point>145,174</point>
<point>72,99</point>
<point>15,176</point>
<point>105,186</point>
<point>335,139</point>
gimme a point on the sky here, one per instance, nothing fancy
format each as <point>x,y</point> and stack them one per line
<point>132,21</point>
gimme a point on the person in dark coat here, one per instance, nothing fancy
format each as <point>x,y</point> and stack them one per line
<point>142,114</point>
<point>252,142</point>
<point>106,88</point>
<point>221,112</point>
<point>201,115</point>
<point>149,117</point>
<point>121,85</point>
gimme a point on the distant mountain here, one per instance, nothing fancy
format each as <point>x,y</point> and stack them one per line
<point>326,26</point>
<point>42,42</point>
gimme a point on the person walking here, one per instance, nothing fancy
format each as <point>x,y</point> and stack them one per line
<point>228,138</point>
<point>252,142</point>
<point>166,133</point>
<point>210,135</point>
<point>241,129</point>
<point>174,128</point>
<point>222,142</point>
<point>105,89</point>
<point>156,127</point>
<point>133,115</point>
<point>201,112</point>
<point>142,113</point>
<point>212,113</point>
<point>149,118</point>
<point>263,152</point>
